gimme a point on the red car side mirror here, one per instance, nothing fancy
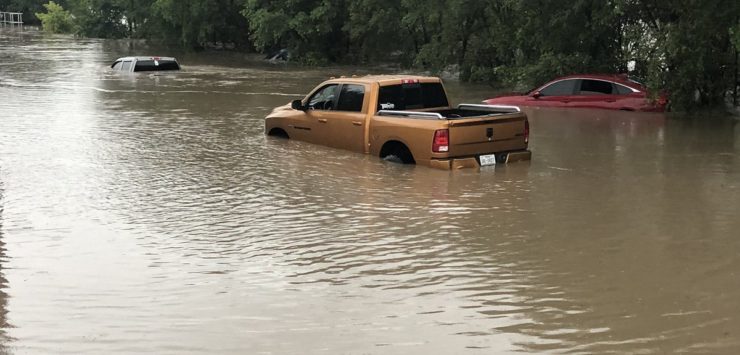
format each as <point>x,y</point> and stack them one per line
<point>536,94</point>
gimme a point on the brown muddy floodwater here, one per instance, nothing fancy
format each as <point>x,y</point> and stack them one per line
<point>149,214</point>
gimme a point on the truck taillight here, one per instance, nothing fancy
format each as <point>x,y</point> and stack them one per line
<point>526,131</point>
<point>441,142</point>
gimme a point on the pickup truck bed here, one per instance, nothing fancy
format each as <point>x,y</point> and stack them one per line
<point>404,119</point>
<point>462,111</point>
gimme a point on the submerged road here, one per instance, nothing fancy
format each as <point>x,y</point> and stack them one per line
<point>149,214</point>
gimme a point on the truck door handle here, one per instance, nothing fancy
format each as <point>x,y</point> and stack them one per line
<point>322,120</point>
<point>357,123</point>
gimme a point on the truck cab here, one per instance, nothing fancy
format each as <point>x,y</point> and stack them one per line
<point>407,119</point>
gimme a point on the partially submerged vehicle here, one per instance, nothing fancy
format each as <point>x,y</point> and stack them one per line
<point>405,119</point>
<point>611,92</point>
<point>145,64</point>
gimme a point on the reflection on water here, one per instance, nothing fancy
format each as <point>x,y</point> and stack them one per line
<point>4,339</point>
<point>149,213</point>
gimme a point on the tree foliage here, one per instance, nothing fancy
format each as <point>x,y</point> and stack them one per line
<point>687,48</point>
<point>314,29</point>
<point>690,50</point>
<point>27,7</point>
<point>196,23</point>
<point>99,18</point>
<point>56,19</point>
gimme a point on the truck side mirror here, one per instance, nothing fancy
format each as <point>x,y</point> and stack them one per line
<point>536,94</point>
<point>297,105</point>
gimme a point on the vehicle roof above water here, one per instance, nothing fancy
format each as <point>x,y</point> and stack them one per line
<point>385,79</point>
<point>145,58</point>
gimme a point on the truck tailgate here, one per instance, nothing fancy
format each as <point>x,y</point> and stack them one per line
<point>487,134</point>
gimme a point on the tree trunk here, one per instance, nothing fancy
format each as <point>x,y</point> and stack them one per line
<point>737,82</point>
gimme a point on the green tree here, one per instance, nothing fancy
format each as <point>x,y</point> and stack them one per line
<point>552,39</point>
<point>197,23</point>
<point>27,7</point>
<point>313,29</point>
<point>136,13</point>
<point>458,33</point>
<point>686,48</point>
<point>375,31</point>
<point>56,19</point>
<point>99,18</point>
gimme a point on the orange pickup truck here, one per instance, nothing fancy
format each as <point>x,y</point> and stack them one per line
<point>406,119</point>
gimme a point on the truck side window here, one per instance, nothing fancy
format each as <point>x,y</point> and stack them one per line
<point>324,98</point>
<point>391,98</point>
<point>351,98</point>
<point>126,66</point>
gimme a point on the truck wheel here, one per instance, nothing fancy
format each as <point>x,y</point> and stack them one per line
<point>279,133</point>
<point>396,152</point>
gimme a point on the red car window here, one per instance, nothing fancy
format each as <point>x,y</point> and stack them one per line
<point>623,90</point>
<point>596,87</point>
<point>560,88</point>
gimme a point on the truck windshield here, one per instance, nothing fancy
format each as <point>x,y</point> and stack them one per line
<point>412,96</point>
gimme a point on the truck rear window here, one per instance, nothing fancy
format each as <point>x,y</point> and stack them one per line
<point>412,96</point>
<point>156,65</point>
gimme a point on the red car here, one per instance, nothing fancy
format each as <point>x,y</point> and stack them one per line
<point>613,92</point>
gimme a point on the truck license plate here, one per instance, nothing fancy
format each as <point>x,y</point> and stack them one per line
<point>486,160</point>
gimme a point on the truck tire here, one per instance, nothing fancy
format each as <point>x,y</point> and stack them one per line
<point>392,158</point>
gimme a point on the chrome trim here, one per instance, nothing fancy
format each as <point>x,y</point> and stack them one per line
<point>490,108</point>
<point>580,78</point>
<point>411,114</point>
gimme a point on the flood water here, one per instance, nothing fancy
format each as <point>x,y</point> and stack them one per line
<point>150,214</point>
